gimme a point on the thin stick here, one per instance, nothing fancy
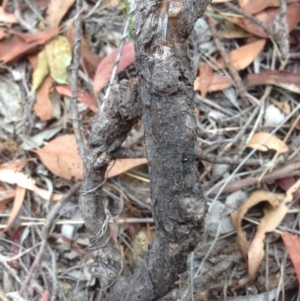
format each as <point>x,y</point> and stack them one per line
<point>45,232</point>
<point>74,77</point>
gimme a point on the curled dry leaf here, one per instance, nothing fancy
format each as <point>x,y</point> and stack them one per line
<point>243,56</point>
<point>264,142</point>
<point>66,162</point>
<point>105,68</point>
<point>274,212</point>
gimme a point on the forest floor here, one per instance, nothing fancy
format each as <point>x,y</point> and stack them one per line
<point>247,86</point>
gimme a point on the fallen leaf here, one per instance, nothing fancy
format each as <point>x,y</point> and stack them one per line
<point>90,59</point>
<point>66,162</point>
<point>284,79</point>
<point>243,56</point>
<point>83,96</point>
<point>56,11</point>
<point>268,16</point>
<point>105,68</point>
<point>283,106</point>
<point>41,71</point>
<point>59,57</point>
<point>274,212</point>
<point>45,296</point>
<point>264,142</point>
<point>43,107</point>
<point>13,177</point>
<point>203,81</point>
<point>286,183</point>
<point>292,244</point>
<point>17,204</point>
<point>219,82</point>
<point>19,45</point>
<point>120,166</point>
<point>255,6</point>
<point>6,17</point>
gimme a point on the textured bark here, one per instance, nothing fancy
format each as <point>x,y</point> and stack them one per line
<point>165,86</point>
<point>109,129</point>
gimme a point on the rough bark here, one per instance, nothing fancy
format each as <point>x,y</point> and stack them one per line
<point>108,131</point>
<point>165,86</point>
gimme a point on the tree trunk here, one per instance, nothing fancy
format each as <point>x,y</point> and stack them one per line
<point>165,86</point>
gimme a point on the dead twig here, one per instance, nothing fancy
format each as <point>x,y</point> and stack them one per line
<point>45,232</point>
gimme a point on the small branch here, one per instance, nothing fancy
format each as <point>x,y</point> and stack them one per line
<point>292,169</point>
<point>74,78</point>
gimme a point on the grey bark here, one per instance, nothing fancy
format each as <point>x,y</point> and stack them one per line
<point>166,77</point>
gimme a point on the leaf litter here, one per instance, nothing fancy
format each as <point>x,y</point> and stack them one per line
<point>236,143</point>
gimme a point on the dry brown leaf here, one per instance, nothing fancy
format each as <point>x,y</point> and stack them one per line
<point>204,79</point>
<point>19,45</point>
<point>268,16</point>
<point>283,106</point>
<point>274,213</point>
<point>255,6</point>
<point>66,162</point>
<point>56,11</point>
<point>243,56</point>
<point>43,107</point>
<point>18,202</point>
<point>61,157</point>
<point>120,166</point>
<point>264,142</point>
<point>219,82</point>
<point>105,68</point>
